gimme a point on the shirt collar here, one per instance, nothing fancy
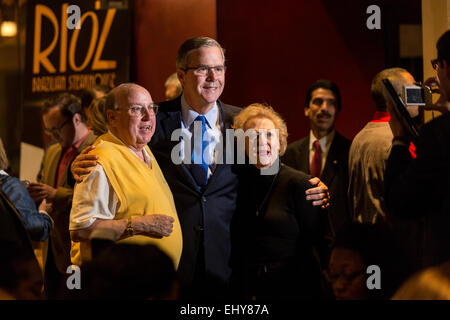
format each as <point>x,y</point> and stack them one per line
<point>189,115</point>
<point>4,173</point>
<point>148,158</point>
<point>381,116</point>
<point>325,141</point>
<point>77,144</point>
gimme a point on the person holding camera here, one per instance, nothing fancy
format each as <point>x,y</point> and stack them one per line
<point>419,189</point>
<point>370,149</point>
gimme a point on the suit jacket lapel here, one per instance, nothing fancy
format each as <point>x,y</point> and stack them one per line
<point>225,121</point>
<point>303,159</point>
<point>53,167</point>
<point>330,171</point>
<point>169,125</point>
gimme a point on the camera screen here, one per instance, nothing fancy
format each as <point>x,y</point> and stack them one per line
<point>415,96</point>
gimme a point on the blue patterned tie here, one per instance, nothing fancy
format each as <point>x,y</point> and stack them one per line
<point>199,166</point>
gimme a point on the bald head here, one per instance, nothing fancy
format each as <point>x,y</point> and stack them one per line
<point>399,78</point>
<point>120,94</point>
<point>131,116</point>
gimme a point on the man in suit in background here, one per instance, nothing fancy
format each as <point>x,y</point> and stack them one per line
<point>324,152</point>
<point>64,121</point>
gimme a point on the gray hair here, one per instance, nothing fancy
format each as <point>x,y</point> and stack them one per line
<point>4,163</point>
<point>395,75</point>
<point>194,44</point>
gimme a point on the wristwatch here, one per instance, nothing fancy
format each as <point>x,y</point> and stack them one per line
<point>129,230</point>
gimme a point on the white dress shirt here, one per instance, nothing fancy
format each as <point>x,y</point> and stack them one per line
<point>213,132</point>
<point>95,198</point>
<point>325,143</point>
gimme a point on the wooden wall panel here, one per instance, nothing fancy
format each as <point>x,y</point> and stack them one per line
<point>161,26</point>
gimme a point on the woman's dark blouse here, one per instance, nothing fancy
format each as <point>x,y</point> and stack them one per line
<point>285,237</point>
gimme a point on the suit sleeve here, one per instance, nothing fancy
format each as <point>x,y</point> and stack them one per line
<point>312,222</point>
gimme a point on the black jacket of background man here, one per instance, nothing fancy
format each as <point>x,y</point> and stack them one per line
<point>420,190</point>
<point>334,175</point>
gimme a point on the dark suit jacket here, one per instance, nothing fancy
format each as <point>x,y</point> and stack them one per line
<point>334,175</point>
<point>13,233</point>
<point>205,216</point>
<point>12,229</point>
<point>419,190</point>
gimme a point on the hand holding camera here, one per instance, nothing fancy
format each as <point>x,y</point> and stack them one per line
<point>442,104</point>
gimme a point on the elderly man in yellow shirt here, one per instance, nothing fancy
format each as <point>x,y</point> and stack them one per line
<point>126,191</point>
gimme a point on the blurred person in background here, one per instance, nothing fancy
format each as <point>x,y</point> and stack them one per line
<point>418,189</point>
<point>357,247</point>
<point>324,152</point>
<point>64,121</point>
<point>173,87</point>
<point>96,116</point>
<point>20,274</point>
<point>370,149</point>
<point>130,271</point>
<point>430,284</point>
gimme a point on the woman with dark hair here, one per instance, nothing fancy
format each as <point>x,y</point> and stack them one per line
<point>278,231</point>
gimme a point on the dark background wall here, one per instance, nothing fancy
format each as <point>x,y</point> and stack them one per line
<point>161,26</point>
<point>276,49</point>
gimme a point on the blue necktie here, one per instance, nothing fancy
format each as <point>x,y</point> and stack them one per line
<point>199,165</point>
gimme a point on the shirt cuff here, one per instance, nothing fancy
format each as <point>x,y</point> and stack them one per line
<point>46,214</point>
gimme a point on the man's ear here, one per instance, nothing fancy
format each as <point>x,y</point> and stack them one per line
<point>181,76</point>
<point>110,117</point>
<point>307,112</point>
<point>76,119</point>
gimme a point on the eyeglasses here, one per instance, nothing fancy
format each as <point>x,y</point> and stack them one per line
<point>56,130</point>
<point>203,70</point>
<point>435,63</point>
<point>347,278</point>
<point>140,111</point>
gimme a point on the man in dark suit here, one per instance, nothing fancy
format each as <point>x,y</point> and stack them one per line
<point>418,188</point>
<point>324,152</point>
<point>205,208</point>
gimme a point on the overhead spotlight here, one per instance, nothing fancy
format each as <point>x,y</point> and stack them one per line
<point>8,29</point>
